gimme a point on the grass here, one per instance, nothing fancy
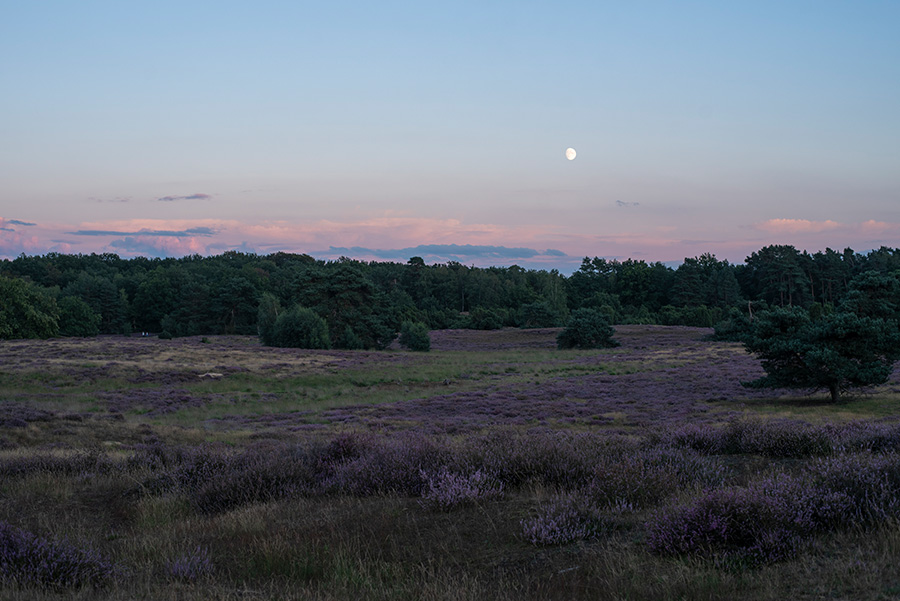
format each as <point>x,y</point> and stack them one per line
<point>106,396</point>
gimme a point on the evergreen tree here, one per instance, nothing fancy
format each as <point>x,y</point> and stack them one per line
<point>587,328</point>
<point>837,352</point>
<point>414,336</point>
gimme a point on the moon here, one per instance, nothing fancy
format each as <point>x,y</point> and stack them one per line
<point>570,153</point>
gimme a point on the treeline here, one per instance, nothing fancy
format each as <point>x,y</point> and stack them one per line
<point>363,304</point>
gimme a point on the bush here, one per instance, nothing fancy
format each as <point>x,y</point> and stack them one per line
<point>76,318</point>
<point>300,327</point>
<point>754,524</point>
<point>446,490</point>
<point>414,336</point>
<point>587,328</point>
<point>30,560</point>
<point>190,567</point>
<point>734,328</point>
<point>539,315</point>
<point>565,520</point>
<point>266,315</point>
<point>486,319</point>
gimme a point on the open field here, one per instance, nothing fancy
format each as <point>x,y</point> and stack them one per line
<point>493,467</point>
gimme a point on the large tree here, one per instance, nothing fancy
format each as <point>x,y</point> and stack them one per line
<point>26,310</point>
<point>835,352</point>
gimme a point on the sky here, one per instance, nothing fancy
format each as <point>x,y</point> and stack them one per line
<point>386,130</point>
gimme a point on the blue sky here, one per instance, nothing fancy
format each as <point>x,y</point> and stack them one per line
<point>169,128</point>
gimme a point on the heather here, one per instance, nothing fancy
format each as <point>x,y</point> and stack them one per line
<point>495,466</point>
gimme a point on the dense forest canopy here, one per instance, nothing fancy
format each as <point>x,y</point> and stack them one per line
<point>364,303</point>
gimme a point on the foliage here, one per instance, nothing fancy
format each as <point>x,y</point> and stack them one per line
<point>299,327</point>
<point>26,311</point>
<point>76,318</point>
<point>192,566</point>
<point>446,490</point>
<point>539,315</point>
<point>364,304</point>
<point>482,318</point>
<point>873,294</point>
<point>30,560</point>
<point>587,328</point>
<point>266,315</point>
<point>836,352</point>
<point>734,328</point>
<point>414,336</point>
<point>104,298</point>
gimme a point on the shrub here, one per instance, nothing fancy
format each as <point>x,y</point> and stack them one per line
<point>734,328</point>
<point>587,328</point>
<point>30,560</point>
<point>567,519</point>
<point>349,340</point>
<point>76,318</point>
<point>299,327</point>
<point>780,439</point>
<point>190,566</point>
<point>753,524</point>
<point>390,465</point>
<point>646,477</point>
<point>215,481</point>
<point>266,315</point>
<point>765,521</point>
<point>486,319</point>
<point>539,315</point>
<point>445,490</point>
<point>414,336</point>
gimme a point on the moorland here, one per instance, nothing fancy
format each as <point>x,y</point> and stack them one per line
<point>494,466</point>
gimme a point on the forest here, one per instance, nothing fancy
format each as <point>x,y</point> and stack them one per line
<point>364,304</point>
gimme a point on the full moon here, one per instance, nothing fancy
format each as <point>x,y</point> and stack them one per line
<point>570,153</point>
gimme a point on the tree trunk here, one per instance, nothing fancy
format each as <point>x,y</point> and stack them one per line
<point>835,393</point>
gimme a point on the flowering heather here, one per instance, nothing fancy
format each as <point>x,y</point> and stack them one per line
<point>395,465</point>
<point>19,415</point>
<point>30,560</point>
<point>566,519</point>
<point>191,566</point>
<point>870,436</point>
<point>555,458</point>
<point>733,523</point>
<point>647,477</point>
<point>870,482</point>
<point>782,438</point>
<point>154,401</point>
<point>216,481</point>
<point>81,463</point>
<point>766,520</point>
<point>446,490</point>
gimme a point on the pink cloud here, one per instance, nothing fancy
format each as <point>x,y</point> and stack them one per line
<point>157,245</point>
<point>873,227</point>
<point>798,226</point>
<point>654,242</point>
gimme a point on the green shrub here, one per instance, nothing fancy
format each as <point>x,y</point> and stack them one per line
<point>587,328</point>
<point>268,311</point>
<point>76,318</point>
<point>539,315</point>
<point>299,327</point>
<point>349,340</point>
<point>485,319</point>
<point>414,336</point>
